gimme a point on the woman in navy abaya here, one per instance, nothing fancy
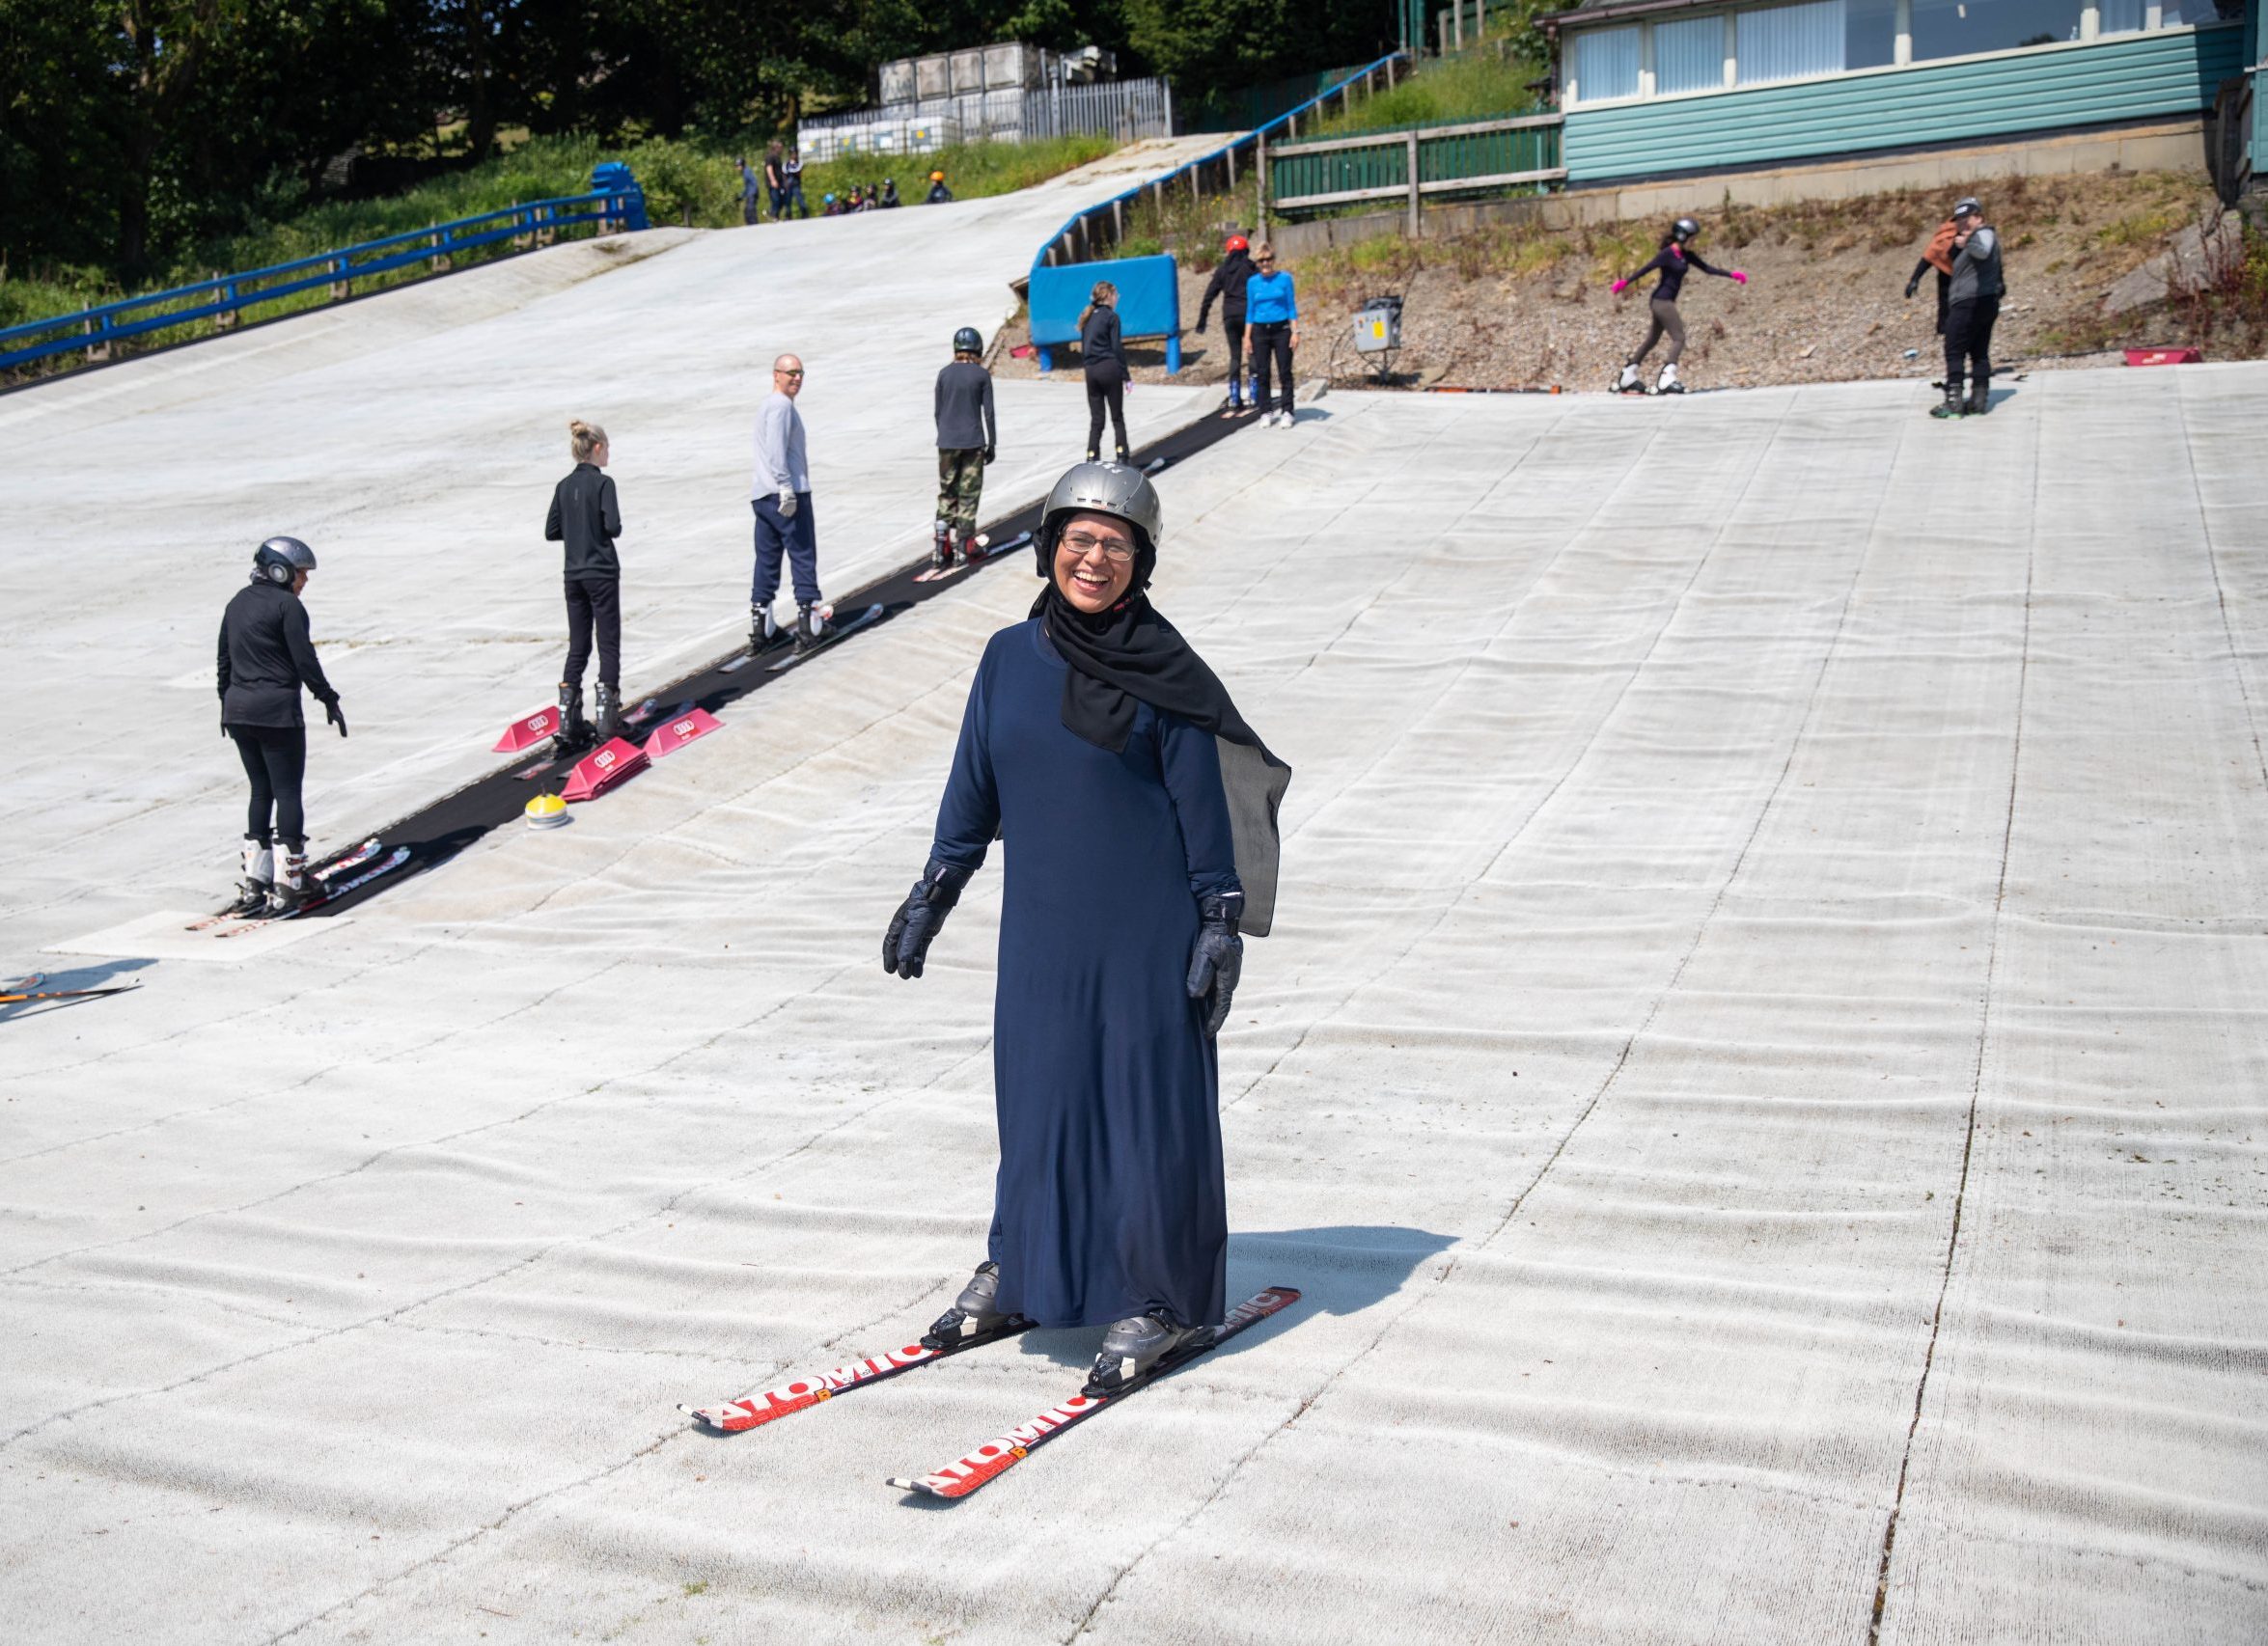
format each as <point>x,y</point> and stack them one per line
<point>1139,815</point>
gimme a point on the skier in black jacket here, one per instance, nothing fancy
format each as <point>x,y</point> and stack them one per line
<point>1104,357</point>
<point>1228,284</point>
<point>1670,262</point>
<point>587,518</point>
<point>1973,303</point>
<point>266,657</point>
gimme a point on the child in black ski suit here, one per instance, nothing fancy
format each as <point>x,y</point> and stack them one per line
<point>587,518</point>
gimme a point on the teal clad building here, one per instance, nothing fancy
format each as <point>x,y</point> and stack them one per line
<point>1657,87</point>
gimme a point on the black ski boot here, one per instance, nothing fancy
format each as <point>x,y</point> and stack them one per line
<point>1952,406</point>
<point>810,627</point>
<point>763,630</point>
<point>574,731</point>
<point>1130,1349</point>
<point>260,877</point>
<point>941,545</point>
<point>972,1314</point>
<point>1979,399</point>
<point>289,894</point>
<point>610,713</point>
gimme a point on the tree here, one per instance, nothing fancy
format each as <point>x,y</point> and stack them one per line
<point>1205,46</point>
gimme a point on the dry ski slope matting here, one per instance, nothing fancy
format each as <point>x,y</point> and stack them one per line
<point>1757,1079</point>
<point>414,438</point>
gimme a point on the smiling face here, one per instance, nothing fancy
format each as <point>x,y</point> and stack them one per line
<point>787,375</point>
<point>1088,569</point>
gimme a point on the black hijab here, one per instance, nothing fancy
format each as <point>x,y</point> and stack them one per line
<point>1131,654</point>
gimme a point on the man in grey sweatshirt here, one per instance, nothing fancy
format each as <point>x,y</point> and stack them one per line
<point>1973,303</point>
<point>780,494</point>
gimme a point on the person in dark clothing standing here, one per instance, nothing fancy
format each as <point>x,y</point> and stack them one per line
<point>889,194</point>
<point>968,436</point>
<point>791,176</point>
<point>1104,358</point>
<point>775,180</point>
<point>585,516</point>
<point>1139,814</point>
<point>1972,304</point>
<point>748,188</point>
<point>939,194</point>
<point>1672,260</point>
<point>1938,255</point>
<point>267,655</point>
<point>1227,283</point>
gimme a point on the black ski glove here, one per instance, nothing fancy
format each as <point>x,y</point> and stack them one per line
<point>989,454</point>
<point>1913,285</point>
<point>336,716</point>
<point>1218,957</point>
<point>907,943</point>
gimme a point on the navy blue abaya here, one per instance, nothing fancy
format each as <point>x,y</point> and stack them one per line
<point>1110,1201</point>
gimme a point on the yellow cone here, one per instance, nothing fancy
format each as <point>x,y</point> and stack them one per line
<point>547,812</point>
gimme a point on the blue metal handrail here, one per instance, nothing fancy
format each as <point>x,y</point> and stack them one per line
<point>1249,139</point>
<point>615,199</point>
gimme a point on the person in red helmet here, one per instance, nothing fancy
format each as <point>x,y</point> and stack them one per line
<point>1228,284</point>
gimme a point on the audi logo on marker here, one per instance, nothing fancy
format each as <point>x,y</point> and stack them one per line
<point>683,729</point>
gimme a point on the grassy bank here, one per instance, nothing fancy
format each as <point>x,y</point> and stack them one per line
<point>683,184</point>
<point>1482,84</point>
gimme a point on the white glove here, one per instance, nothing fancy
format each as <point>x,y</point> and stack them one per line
<point>786,505</point>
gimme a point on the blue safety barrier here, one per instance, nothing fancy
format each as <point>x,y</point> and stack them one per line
<point>615,199</point>
<point>1150,302</point>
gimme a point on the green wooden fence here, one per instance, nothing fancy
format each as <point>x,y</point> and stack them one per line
<point>1456,157</point>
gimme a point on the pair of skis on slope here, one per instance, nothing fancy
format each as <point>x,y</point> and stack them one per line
<point>329,883</point>
<point>995,1457</point>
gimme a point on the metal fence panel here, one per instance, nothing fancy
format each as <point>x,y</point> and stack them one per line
<point>1483,154</point>
<point>1128,110</point>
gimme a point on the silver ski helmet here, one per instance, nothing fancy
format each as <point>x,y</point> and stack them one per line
<point>1684,230</point>
<point>279,559</point>
<point>968,341</point>
<point>1103,488</point>
<point>1968,206</point>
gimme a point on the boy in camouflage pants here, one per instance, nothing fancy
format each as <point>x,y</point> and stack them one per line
<point>967,438</point>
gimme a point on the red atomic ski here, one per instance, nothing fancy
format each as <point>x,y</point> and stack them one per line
<point>995,1457</point>
<point>753,1410</point>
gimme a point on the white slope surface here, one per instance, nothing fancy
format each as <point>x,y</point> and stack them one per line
<point>1758,1075</point>
<point>413,438</point>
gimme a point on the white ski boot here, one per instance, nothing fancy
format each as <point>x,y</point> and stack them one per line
<point>763,631</point>
<point>811,625</point>
<point>1628,383</point>
<point>941,545</point>
<point>289,894</point>
<point>259,878</point>
<point>1667,383</point>
<point>1130,1348</point>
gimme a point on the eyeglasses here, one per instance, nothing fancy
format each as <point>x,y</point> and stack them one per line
<point>1081,544</point>
<point>1264,261</point>
<point>777,373</point>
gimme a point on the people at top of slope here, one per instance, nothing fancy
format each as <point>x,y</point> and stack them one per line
<point>1670,264</point>
<point>1231,277</point>
<point>1271,315</point>
<point>1138,811</point>
<point>265,658</point>
<point>586,518</point>
<point>968,437</point>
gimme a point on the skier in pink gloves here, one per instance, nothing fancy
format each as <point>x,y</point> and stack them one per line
<point>1672,261</point>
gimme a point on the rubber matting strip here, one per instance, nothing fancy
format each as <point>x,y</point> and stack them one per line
<point>441,830</point>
